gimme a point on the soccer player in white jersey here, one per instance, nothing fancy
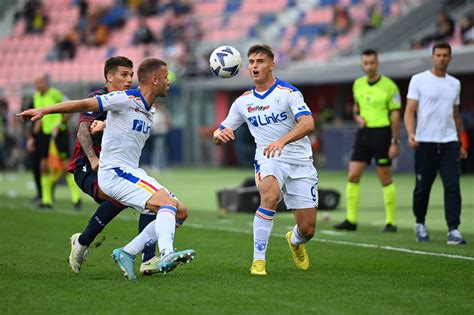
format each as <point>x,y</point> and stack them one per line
<point>130,120</point>
<point>280,121</point>
<point>433,107</point>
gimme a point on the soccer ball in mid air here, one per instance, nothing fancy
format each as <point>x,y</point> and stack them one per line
<point>225,62</point>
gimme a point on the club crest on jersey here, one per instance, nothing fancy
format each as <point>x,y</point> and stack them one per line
<point>141,126</point>
<point>262,120</point>
<point>252,109</point>
<point>260,245</point>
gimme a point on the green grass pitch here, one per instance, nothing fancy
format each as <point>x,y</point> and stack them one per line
<point>366,272</point>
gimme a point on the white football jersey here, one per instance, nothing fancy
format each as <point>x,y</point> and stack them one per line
<point>129,124</point>
<point>269,117</point>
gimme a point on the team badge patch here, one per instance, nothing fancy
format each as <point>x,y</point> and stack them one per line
<point>260,245</point>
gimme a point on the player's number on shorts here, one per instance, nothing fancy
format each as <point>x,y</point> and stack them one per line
<point>313,192</point>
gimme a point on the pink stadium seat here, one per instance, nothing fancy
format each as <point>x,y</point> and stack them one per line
<point>358,13</point>
<point>19,28</point>
<point>209,8</point>
<point>343,42</point>
<point>156,25</point>
<point>370,2</point>
<point>210,23</point>
<point>242,21</point>
<point>262,6</point>
<point>318,16</point>
<point>321,44</point>
<point>395,9</point>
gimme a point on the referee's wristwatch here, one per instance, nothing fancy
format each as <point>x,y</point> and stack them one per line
<point>395,141</point>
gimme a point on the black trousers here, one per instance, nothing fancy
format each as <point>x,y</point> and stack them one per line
<point>429,159</point>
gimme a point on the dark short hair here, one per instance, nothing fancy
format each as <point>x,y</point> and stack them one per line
<point>147,67</point>
<point>441,45</point>
<point>113,63</point>
<point>263,49</point>
<point>369,52</point>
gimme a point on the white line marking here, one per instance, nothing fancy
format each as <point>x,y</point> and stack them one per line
<point>329,232</point>
<point>317,239</point>
<point>323,240</point>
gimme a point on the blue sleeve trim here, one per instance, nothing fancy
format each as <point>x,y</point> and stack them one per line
<point>137,93</point>
<point>221,127</point>
<point>99,100</point>
<point>302,113</point>
<point>287,85</point>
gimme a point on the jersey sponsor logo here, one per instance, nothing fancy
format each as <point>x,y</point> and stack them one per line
<point>252,109</point>
<point>262,120</point>
<point>141,126</point>
<point>139,110</point>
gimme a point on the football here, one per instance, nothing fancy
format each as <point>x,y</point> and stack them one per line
<point>225,62</point>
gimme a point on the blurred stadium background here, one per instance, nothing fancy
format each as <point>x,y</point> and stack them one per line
<point>317,42</point>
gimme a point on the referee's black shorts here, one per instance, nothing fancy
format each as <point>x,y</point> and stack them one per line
<point>372,143</point>
<point>62,143</point>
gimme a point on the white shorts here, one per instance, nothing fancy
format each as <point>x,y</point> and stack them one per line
<point>298,184</point>
<point>132,187</point>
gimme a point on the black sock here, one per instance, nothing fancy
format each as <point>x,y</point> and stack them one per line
<point>106,211</point>
<point>149,250</point>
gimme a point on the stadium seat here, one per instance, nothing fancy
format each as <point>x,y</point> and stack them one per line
<point>318,16</point>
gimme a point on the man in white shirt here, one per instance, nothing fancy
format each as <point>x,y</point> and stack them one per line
<point>280,121</point>
<point>129,124</point>
<point>434,96</point>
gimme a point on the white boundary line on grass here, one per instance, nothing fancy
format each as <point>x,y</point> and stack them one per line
<point>324,240</point>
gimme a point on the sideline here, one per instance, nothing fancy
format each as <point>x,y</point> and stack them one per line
<point>317,239</point>
<point>347,243</point>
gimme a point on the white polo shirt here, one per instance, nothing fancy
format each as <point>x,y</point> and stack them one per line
<point>436,98</point>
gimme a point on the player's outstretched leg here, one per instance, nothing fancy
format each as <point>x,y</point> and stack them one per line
<point>78,253</point>
<point>170,261</point>
<point>299,253</point>
<point>125,261</point>
<point>80,242</point>
<point>165,229</point>
<point>302,232</point>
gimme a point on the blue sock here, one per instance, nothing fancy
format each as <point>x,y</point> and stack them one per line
<point>149,250</point>
<point>106,211</point>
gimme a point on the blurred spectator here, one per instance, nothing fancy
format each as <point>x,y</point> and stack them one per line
<point>159,135</point>
<point>64,47</point>
<point>341,22</point>
<point>444,30</point>
<point>148,7</point>
<point>143,34</point>
<point>181,7</point>
<point>173,30</point>
<point>115,16</point>
<point>467,31</point>
<point>34,16</point>
<point>81,26</point>
<point>97,33</point>
<point>375,16</point>
<point>466,25</point>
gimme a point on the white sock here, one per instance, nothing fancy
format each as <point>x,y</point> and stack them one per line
<point>296,238</point>
<point>165,227</point>
<point>148,235</point>
<point>262,228</point>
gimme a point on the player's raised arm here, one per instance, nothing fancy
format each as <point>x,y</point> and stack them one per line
<point>84,105</point>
